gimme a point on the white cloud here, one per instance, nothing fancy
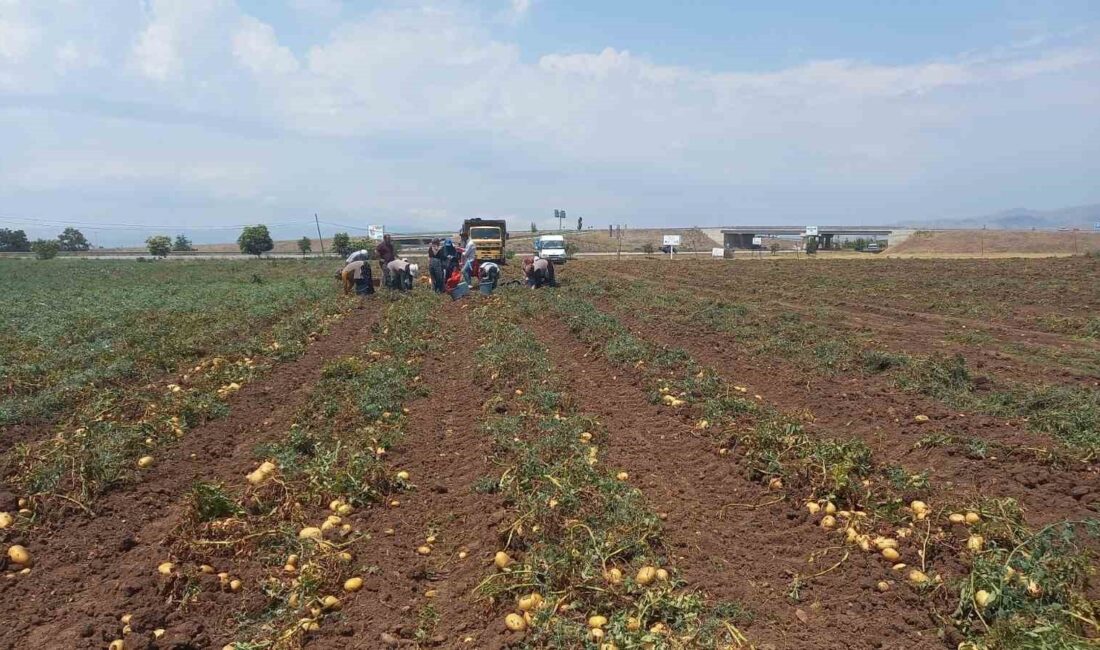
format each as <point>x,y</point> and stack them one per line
<point>520,8</point>
<point>178,31</point>
<point>16,39</point>
<point>449,113</point>
<point>256,48</point>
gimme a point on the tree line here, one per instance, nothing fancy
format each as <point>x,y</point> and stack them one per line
<point>253,240</point>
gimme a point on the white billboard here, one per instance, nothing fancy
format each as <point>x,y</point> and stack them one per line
<point>672,240</point>
<point>376,232</point>
<point>811,231</point>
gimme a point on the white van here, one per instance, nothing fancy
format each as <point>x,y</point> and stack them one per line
<point>551,247</point>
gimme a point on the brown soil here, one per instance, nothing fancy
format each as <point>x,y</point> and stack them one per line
<point>873,410</point>
<point>445,452</point>
<point>999,241</point>
<point>729,536</point>
<point>90,570</point>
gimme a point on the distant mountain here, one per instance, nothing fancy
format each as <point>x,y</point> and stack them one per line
<point>1082,216</point>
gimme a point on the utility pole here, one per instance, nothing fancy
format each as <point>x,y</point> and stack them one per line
<point>981,240</point>
<point>319,238</point>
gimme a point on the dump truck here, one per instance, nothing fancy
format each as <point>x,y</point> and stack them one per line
<point>489,237</point>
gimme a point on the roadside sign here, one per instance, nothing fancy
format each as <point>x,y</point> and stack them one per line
<point>1096,226</point>
<point>757,241</point>
<point>375,232</point>
<point>672,240</point>
<point>811,231</point>
<point>717,252</point>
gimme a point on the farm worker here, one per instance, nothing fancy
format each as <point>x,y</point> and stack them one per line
<point>361,254</point>
<point>401,274</point>
<point>488,274</point>
<point>450,255</point>
<point>469,258</point>
<point>539,272</point>
<point>437,265</point>
<point>385,254</point>
<point>357,275</point>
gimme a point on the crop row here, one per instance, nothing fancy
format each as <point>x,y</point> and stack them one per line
<point>1070,414</point>
<point>292,531</point>
<point>1051,295</point>
<point>96,331</point>
<point>1012,583</point>
<point>582,559</point>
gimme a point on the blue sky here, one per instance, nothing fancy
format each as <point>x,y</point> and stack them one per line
<point>133,118</point>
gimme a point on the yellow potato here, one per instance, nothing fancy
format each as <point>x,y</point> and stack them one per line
<point>353,584</point>
<point>311,532</point>
<point>145,462</point>
<point>502,560</point>
<point>515,623</point>
<point>19,555</point>
<point>529,602</point>
<point>890,554</point>
<point>597,621</point>
<point>646,575</point>
<point>165,568</point>
<point>975,543</point>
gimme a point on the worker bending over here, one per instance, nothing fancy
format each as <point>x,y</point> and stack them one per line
<point>488,275</point>
<point>356,277</point>
<point>401,274</point>
<point>539,272</point>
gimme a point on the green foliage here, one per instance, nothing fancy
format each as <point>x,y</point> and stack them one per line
<point>182,244</point>
<point>210,501</point>
<point>341,244</point>
<point>72,240</point>
<point>91,349</point>
<point>13,241</point>
<point>534,227</point>
<point>159,245</point>
<point>45,249</point>
<point>255,240</point>
<point>648,248</point>
<point>1036,583</point>
<point>573,520</point>
<point>305,245</point>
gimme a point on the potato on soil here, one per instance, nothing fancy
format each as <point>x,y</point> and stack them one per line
<point>502,560</point>
<point>19,555</point>
<point>646,575</point>
<point>353,584</point>
<point>515,622</point>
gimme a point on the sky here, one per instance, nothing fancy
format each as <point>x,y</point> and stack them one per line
<point>128,118</point>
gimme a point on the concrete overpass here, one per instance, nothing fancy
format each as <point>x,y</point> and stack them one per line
<point>741,236</point>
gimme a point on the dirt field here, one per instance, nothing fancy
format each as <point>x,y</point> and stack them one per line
<point>807,453</point>
<point>994,242</point>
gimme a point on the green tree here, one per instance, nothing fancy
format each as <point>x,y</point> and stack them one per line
<point>534,227</point>
<point>46,249</point>
<point>13,241</point>
<point>305,245</point>
<point>774,247</point>
<point>72,239</point>
<point>159,245</point>
<point>811,245</point>
<point>341,243</point>
<point>361,244</point>
<point>182,244</point>
<point>255,240</point>
<point>647,248</point>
